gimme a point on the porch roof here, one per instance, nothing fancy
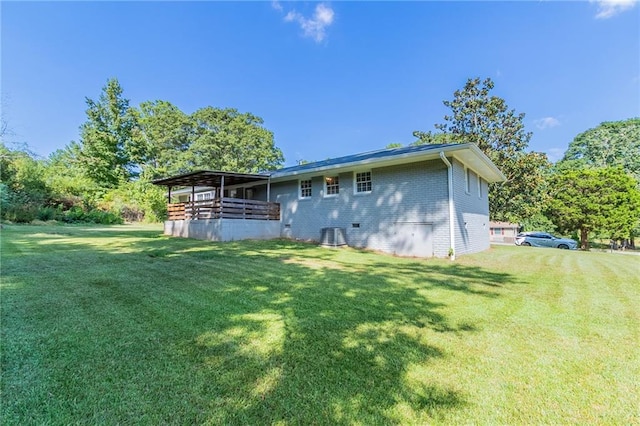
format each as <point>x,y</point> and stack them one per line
<point>211,178</point>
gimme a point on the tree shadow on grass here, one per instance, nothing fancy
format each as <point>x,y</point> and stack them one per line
<point>309,353</point>
<point>260,332</point>
<point>346,339</point>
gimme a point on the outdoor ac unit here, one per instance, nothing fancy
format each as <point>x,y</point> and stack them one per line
<point>333,237</point>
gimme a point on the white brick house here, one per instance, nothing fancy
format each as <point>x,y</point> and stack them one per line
<point>422,201</point>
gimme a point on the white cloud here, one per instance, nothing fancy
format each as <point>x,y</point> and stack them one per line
<point>546,123</point>
<point>610,8</point>
<point>314,27</point>
<point>276,5</point>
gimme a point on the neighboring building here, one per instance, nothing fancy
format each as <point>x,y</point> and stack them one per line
<point>503,232</point>
<point>412,201</point>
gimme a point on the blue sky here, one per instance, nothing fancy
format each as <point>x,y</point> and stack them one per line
<point>329,79</point>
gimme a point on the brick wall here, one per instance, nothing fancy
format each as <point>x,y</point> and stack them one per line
<point>409,193</point>
<point>472,211</point>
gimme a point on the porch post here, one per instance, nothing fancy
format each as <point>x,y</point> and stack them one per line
<point>269,189</point>
<point>221,194</point>
<point>169,196</point>
<point>194,214</point>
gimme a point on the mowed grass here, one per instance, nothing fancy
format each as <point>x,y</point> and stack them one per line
<point>121,325</point>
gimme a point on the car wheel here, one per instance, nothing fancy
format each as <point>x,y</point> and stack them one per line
<point>563,247</point>
<point>526,244</point>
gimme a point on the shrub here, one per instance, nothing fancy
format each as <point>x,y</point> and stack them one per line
<point>103,217</point>
<point>49,213</point>
<point>136,202</point>
<point>16,206</point>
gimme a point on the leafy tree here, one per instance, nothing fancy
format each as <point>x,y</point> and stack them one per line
<point>394,145</point>
<point>136,201</point>
<point>64,175</point>
<point>210,138</point>
<point>611,144</point>
<point>537,222</point>
<point>107,150</point>
<point>604,200</point>
<point>165,134</point>
<point>484,119</point>
<point>23,188</point>
<point>429,138</point>
<point>228,140</point>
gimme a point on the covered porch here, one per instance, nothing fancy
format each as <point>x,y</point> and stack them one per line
<point>220,206</point>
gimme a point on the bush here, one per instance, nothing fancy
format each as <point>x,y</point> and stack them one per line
<point>16,206</point>
<point>20,213</point>
<point>138,201</point>
<point>73,215</point>
<point>103,217</point>
<point>49,213</point>
<point>78,215</point>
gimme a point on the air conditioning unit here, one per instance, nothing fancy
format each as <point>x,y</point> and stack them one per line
<point>333,237</point>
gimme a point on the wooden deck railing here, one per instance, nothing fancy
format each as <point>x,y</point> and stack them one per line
<point>225,208</point>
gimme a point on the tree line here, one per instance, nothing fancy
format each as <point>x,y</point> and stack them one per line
<point>106,175</point>
<point>593,190</point>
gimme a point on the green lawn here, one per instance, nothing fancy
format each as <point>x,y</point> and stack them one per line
<point>121,325</point>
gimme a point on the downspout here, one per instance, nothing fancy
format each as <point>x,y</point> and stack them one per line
<point>452,235</point>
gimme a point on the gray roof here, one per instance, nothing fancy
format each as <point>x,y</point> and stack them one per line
<point>379,154</point>
<point>467,153</point>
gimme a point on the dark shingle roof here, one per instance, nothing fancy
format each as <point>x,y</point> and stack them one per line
<point>356,158</point>
<point>468,153</point>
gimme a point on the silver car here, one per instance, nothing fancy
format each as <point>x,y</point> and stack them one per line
<point>544,239</point>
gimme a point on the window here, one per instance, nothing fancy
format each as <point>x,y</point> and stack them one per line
<point>467,180</point>
<point>236,193</point>
<point>203,196</point>
<point>479,187</point>
<point>305,188</point>
<point>331,186</point>
<point>363,182</point>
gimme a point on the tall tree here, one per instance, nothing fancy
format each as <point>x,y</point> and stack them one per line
<point>430,138</point>
<point>611,144</point>
<point>165,134</point>
<point>226,139</point>
<point>484,119</point>
<point>605,200</point>
<point>108,152</point>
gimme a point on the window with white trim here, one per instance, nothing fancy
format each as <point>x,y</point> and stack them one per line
<point>203,196</point>
<point>331,186</point>
<point>479,187</point>
<point>305,188</point>
<point>363,182</point>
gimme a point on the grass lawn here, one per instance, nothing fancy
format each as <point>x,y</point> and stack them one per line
<point>121,325</point>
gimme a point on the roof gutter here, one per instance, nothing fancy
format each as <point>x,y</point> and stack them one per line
<point>452,237</point>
